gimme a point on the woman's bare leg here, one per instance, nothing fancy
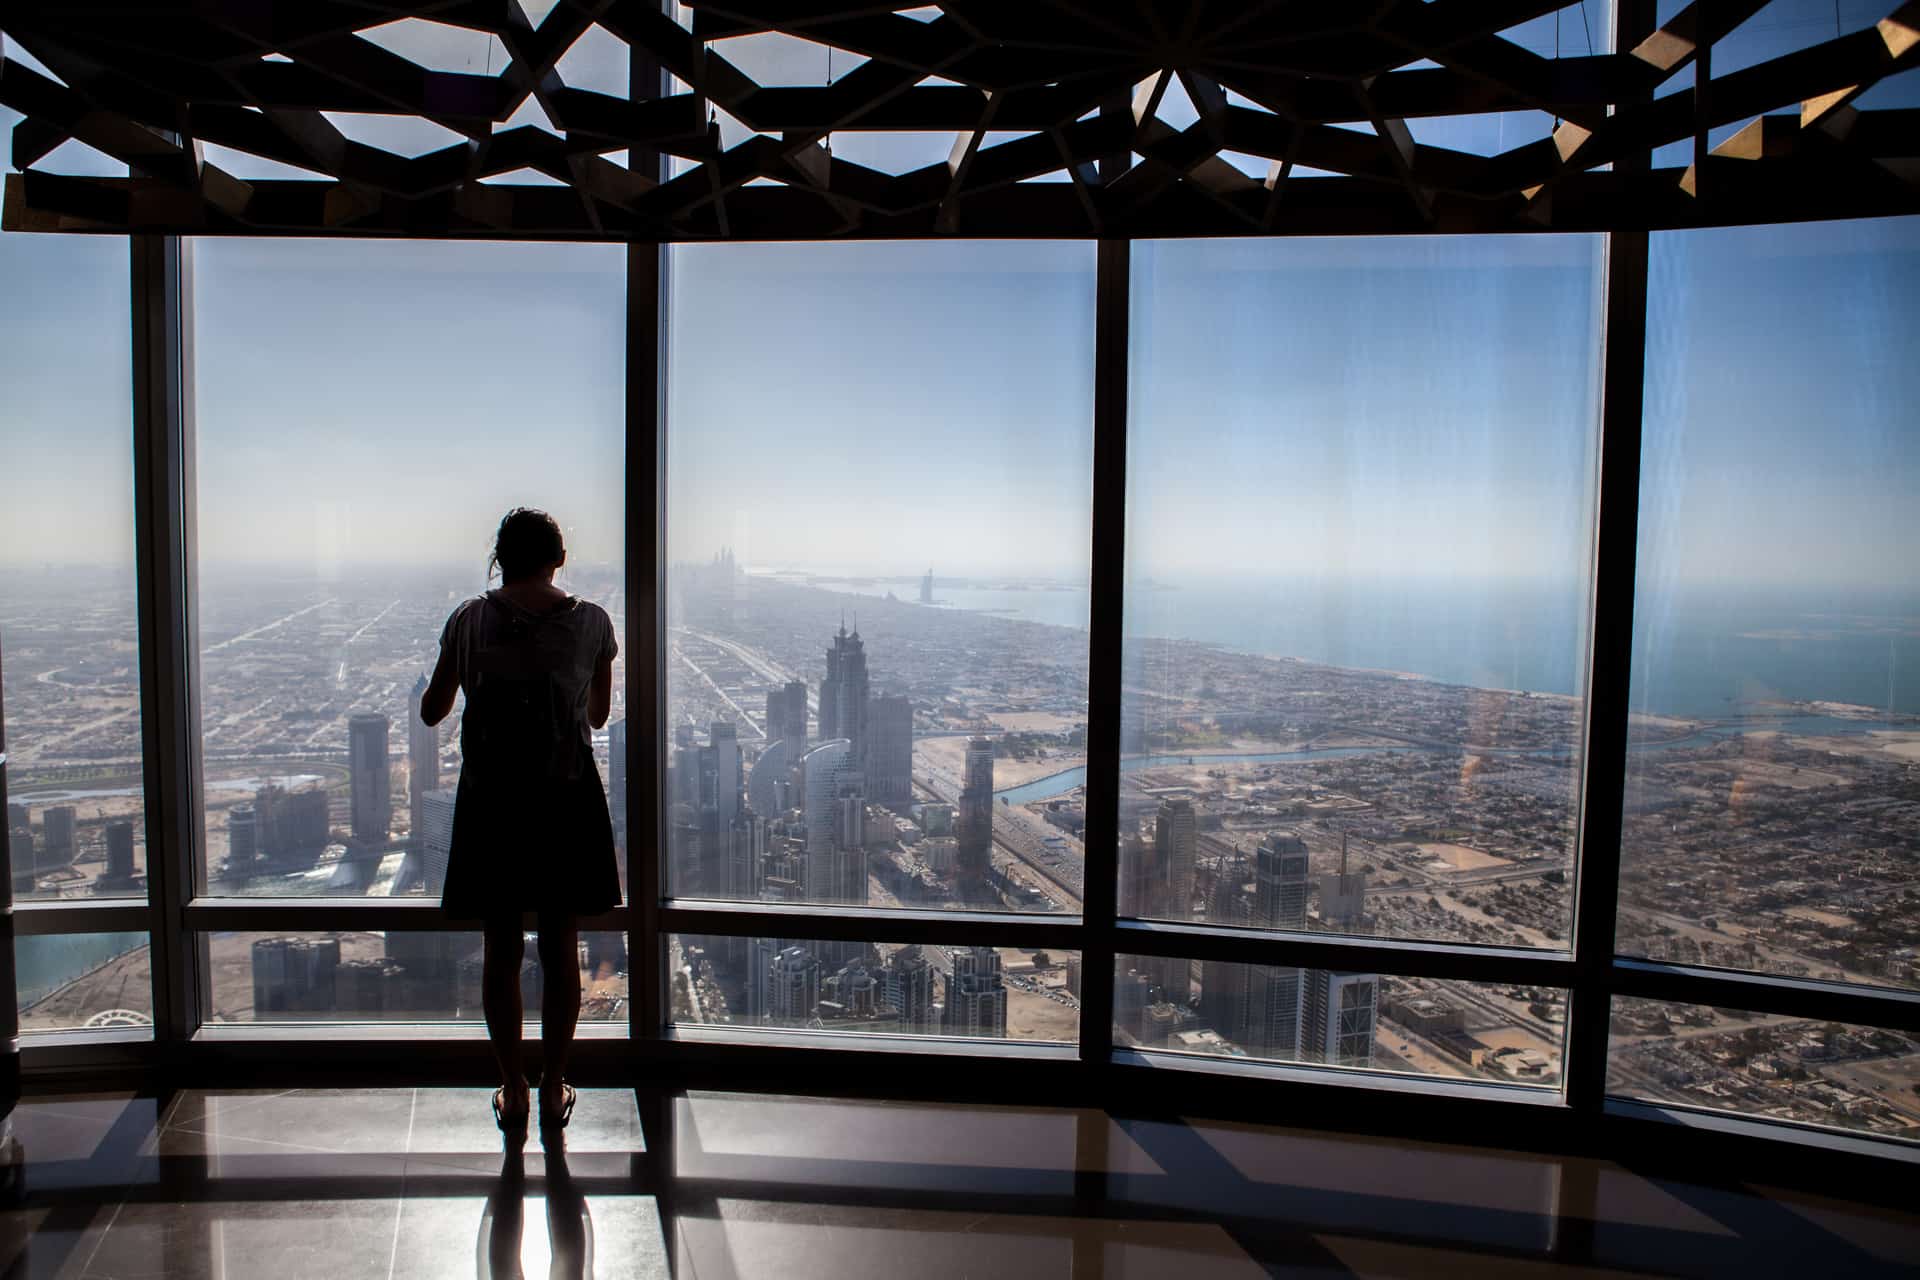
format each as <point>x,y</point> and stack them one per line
<point>506,948</point>
<point>559,1002</point>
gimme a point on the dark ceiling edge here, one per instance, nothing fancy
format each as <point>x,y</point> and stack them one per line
<point>147,85</point>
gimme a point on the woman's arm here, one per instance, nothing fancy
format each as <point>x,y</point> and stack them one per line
<point>600,695</point>
<point>437,701</point>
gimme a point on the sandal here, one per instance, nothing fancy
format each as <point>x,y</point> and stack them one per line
<point>558,1119</point>
<point>512,1123</point>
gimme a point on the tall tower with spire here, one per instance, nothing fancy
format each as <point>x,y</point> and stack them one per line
<point>843,694</point>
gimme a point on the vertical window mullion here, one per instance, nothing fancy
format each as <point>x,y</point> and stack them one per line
<point>646,621</point>
<point>1100,882</point>
<point>1609,684</point>
<point>10,1000</point>
<point>1610,673</point>
<point>164,560</point>
<point>646,578</point>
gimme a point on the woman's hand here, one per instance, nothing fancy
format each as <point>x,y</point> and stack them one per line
<point>600,696</point>
<point>437,701</point>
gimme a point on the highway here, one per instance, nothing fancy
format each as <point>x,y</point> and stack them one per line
<point>262,630</point>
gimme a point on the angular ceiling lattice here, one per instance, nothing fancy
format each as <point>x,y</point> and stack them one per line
<point>1156,118</point>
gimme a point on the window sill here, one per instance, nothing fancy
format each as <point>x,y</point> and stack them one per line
<point>860,1041</point>
<point>1343,1077</point>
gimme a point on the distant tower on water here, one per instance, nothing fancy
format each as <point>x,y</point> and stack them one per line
<point>926,587</point>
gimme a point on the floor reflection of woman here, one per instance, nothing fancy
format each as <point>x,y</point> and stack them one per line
<point>530,827</point>
<point>504,1221</point>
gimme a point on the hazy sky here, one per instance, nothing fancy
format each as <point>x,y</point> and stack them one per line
<point>1421,407</point>
<point>1397,408</point>
<point>884,407</point>
<point>359,402</point>
<point>1782,438</point>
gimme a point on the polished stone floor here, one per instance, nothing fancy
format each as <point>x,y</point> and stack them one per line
<point>287,1184</point>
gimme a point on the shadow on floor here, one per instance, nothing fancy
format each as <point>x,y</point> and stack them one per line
<point>338,1184</point>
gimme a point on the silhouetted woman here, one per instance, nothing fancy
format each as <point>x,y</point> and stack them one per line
<point>530,825</point>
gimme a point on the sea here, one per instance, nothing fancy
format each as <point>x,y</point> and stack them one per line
<point>43,963</point>
<point>1699,653</point>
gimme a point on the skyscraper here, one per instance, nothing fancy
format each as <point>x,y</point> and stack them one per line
<point>1223,983</point>
<point>836,858</point>
<point>1176,836</point>
<point>1337,1017</point>
<point>243,837</point>
<point>926,588</point>
<point>119,873</point>
<point>776,722</point>
<point>746,855</point>
<point>760,954</point>
<point>889,765</point>
<point>1142,882</point>
<point>1280,883</point>
<point>976,994</point>
<point>427,960</point>
<point>617,778</point>
<point>435,839</point>
<point>714,802</point>
<point>843,694</point>
<point>1272,1022</point>
<point>906,982</point>
<point>973,821</point>
<point>60,837</point>
<point>1145,892</point>
<point>1270,1025</point>
<point>20,843</point>
<point>290,825</point>
<point>793,987</point>
<point>423,760</point>
<point>722,776</point>
<point>787,716</point>
<point>368,775</point>
<point>1343,896</point>
<point>770,781</point>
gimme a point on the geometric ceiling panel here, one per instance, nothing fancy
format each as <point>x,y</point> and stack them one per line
<point>816,119</point>
<point>407,136</point>
<point>437,46</point>
<point>597,62</point>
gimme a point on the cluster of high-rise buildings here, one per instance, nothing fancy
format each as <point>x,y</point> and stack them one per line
<point>285,830</point>
<point>1267,1011</point>
<point>280,830</point>
<point>794,826</point>
<point>59,844</point>
<point>417,972</point>
<point>846,986</point>
<point>800,825</point>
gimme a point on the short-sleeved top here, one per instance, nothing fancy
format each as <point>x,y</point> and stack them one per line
<point>569,643</point>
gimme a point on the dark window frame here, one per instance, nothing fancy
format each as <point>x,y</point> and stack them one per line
<point>178,914</point>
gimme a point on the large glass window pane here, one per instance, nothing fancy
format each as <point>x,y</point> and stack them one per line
<point>84,981</point>
<point>1768,1067</point>
<point>1773,792</point>
<point>879,522</point>
<point>391,976</point>
<point>803,984</point>
<point>365,414</point>
<point>69,642</point>
<point>1366,1021</point>
<point>1359,520</point>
